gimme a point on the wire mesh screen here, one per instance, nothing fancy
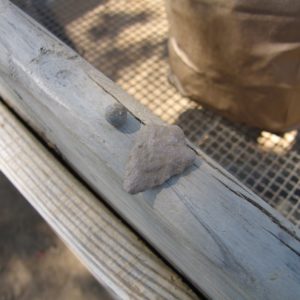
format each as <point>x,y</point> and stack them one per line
<point>127,41</point>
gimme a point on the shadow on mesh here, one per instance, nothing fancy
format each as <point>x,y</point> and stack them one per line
<point>267,163</point>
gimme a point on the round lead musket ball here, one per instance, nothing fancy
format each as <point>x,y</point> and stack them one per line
<point>116,114</point>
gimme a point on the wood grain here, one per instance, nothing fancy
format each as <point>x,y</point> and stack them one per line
<point>115,255</point>
<point>228,242</point>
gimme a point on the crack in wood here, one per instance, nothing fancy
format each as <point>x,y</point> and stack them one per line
<point>262,209</point>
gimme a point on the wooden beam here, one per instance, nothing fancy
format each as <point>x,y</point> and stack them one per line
<point>227,241</point>
<point>112,252</point>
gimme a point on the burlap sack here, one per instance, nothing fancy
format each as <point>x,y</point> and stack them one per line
<point>239,57</point>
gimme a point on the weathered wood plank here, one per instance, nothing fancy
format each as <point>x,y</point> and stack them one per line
<point>225,239</point>
<point>112,252</point>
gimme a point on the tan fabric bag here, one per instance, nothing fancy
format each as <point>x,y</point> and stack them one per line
<point>239,57</point>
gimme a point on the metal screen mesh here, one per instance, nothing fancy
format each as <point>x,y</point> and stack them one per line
<point>127,41</point>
